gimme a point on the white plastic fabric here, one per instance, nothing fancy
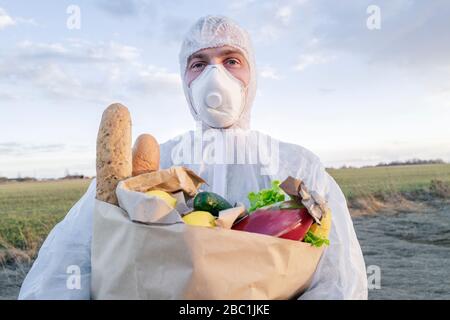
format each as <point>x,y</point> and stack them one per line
<point>216,31</point>
<point>341,272</point>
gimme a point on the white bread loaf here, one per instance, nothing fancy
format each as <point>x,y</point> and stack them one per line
<point>114,157</point>
<point>146,155</point>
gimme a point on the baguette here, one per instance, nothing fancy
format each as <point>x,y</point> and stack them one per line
<point>114,157</point>
<point>146,155</point>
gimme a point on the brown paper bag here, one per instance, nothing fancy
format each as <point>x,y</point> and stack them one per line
<point>160,257</point>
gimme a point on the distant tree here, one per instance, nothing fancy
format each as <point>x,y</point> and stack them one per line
<point>413,161</point>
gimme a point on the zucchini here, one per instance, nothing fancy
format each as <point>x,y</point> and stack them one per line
<point>211,202</point>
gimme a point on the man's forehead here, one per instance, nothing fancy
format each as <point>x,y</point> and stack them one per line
<point>219,51</point>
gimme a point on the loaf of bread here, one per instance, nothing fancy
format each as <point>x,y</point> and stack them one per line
<point>146,155</point>
<point>114,156</point>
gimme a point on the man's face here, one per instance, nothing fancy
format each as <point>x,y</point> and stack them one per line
<point>231,58</point>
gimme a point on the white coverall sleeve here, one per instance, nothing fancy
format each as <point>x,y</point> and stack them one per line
<point>341,273</point>
<point>62,269</point>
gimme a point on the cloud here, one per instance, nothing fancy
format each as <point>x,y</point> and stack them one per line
<point>268,33</point>
<point>309,59</point>
<point>79,51</point>
<point>113,51</point>
<point>271,21</point>
<point>120,7</point>
<point>23,149</point>
<point>4,96</point>
<point>79,70</point>
<point>42,49</point>
<point>268,72</point>
<point>326,90</point>
<point>130,8</point>
<point>153,80</point>
<point>59,84</point>
<point>174,28</point>
<point>238,5</point>
<point>393,151</point>
<point>5,20</point>
<point>413,34</point>
<point>29,21</point>
<point>284,14</point>
<point>8,21</point>
<point>50,79</point>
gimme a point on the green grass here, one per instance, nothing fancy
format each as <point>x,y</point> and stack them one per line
<point>29,210</point>
<point>387,180</point>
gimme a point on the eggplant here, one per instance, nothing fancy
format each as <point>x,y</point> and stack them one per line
<point>289,223</point>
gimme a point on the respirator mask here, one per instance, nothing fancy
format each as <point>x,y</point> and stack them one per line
<point>217,97</point>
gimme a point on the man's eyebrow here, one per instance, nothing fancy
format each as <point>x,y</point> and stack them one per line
<point>230,51</point>
<point>200,56</point>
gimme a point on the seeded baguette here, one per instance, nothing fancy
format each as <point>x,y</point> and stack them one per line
<point>114,156</point>
<point>146,155</point>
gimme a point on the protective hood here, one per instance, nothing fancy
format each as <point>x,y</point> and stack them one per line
<point>218,31</point>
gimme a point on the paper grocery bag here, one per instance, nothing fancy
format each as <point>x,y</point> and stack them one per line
<point>164,258</point>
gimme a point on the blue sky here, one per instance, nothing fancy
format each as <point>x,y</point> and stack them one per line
<point>325,81</point>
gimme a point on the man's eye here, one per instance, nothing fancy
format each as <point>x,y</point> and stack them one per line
<point>197,65</point>
<point>232,62</point>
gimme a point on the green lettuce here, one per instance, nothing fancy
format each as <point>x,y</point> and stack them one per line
<point>315,240</point>
<point>266,197</point>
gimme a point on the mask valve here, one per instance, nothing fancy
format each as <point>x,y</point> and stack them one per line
<point>214,100</point>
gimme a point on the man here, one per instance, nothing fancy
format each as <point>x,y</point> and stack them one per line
<point>219,79</point>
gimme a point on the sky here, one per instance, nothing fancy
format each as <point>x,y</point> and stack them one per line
<point>353,95</point>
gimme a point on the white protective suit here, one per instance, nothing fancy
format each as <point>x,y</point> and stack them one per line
<point>341,272</point>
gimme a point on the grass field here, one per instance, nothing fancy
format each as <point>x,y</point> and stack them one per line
<point>29,210</point>
<point>373,180</point>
